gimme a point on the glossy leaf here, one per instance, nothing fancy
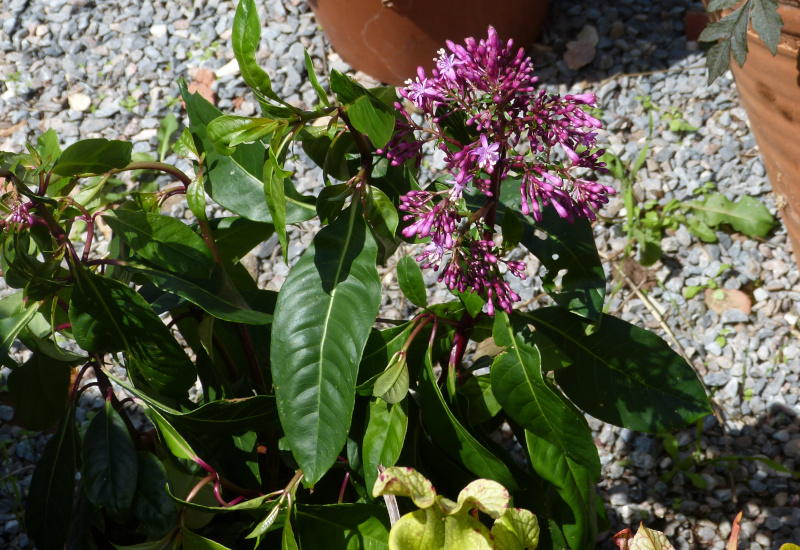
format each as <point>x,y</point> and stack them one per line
<point>274,177</point>
<point>107,317</point>
<point>343,526</point>
<point>217,295</point>
<point>93,156</point>
<point>325,310</point>
<point>643,385</point>
<point>368,114</point>
<point>151,503</point>
<point>228,131</point>
<point>455,440</point>
<point>235,181</point>
<point>572,506</point>
<point>520,388</point>
<point>409,277</point>
<point>163,240</point>
<point>49,504</point>
<point>246,38</point>
<point>12,324</point>
<point>392,385</point>
<point>110,465</point>
<point>196,199</point>
<point>518,529</point>
<point>185,146</point>
<point>330,201</point>
<point>39,389</point>
<point>383,437</point>
<point>405,482</point>
<point>312,76</point>
<point>419,530</point>
<point>288,541</point>
<point>193,541</point>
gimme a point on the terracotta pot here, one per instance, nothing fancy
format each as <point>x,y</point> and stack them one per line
<point>769,87</point>
<point>388,39</point>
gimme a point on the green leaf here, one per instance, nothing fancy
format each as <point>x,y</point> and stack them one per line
<point>93,156</point>
<point>12,325</point>
<point>465,531</point>
<point>167,127</point>
<point>368,114</point>
<point>573,506</point>
<point>288,541</point>
<point>330,201</point>
<point>649,539</point>
<point>229,417</point>
<point>274,177</point>
<point>246,38</point>
<point>228,131</point>
<point>382,217</point>
<point>409,277</point>
<point>109,463</point>
<point>519,386</point>
<point>405,482</point>
<point>163,240</point>
<point>481,402</point>
<point>151,503</point>
<point>236,236</point>
<point>716,5</point>
<point>48,147</point>
<point>107,317</point>
<point>512,230</point>
<point>718,60</point>
<point>383,437</point>
<point>48,510</point>
<point>343,526</point>
<point>185,146</point>
<point>392,385</point>
<point>739,38</point>
<point>312,76</point>
<point>193,541</point>
<point>455,440</point>
<point>325,310</point>
<point>161,544</point>
<point>747,216</point>
<point>518,529</point>
<point>419,530</point>
<point>39,389</point>
<point>623,374</point>
<point>217,295</point>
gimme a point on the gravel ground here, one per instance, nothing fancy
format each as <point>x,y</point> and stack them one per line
<point>109,69</point>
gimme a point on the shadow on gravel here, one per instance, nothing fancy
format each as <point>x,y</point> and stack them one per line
<point>635,36</point>
<point>694,505</point>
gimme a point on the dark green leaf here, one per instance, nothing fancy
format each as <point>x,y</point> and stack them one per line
<point>573,506</point>
<point>453,438</point>
<point>167,127</point>
<point>481,404</point>
<point>512,229</point>
<point>368,114</point>
<point>325,310</point>
<point>39,391</point>
<point>246,38</point>
<point>163,240</point>
<point>288,541</point>
<point>623,374</point>
<point>739,38</point>
<point>343,526</point>
<point>196,199</point>
<point>14,322</point>
<point>193,541</point>
<point>93,156</point>
<point>718,60</point>
<point>236,236</point>
<point>228,131</point>
<point>747,216</point>
<point>409,277</point>
<point>185,146</point>
<point>330,201</point>
<point>519,386</point>
<point>151,503</point>
<point>233,416</point>
<point>49,505</point>
<point>383,437</point>
<point>716,5</point>
<point>109,463</point>
<point>107,317</point>
<point>767,23</point>
<point>217,295</point>
<point>323,97</point>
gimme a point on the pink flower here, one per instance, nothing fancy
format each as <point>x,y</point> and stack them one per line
<point>488,155</point>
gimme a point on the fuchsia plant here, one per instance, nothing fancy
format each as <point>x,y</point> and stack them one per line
<point>306,393</point>
<point>518,131</point>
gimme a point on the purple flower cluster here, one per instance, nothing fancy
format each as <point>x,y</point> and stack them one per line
<point>517,133</point>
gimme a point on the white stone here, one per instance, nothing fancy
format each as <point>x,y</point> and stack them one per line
<point>145,135</point>
<point>79,102</point>
<point>229,69</point>
<point>158,30</point>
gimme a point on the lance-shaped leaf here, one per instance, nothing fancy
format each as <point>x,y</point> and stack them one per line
<point>409,277</point>
<point>217,295</point>
<point>49,506</point>
<point>39,389</point>
<point>163,240</point>
<point>519,386</point>
<point>643,385</point>
<point>274,177</point>
<point>325,310</point>
<point>235,181</point>
<point>168,126</point>
<point>193,541</point>
<point>109,463</point>
<point>228,131</point>
<point>13,323</point>
<point>93,156</point>
<point>572,506</point>
<point>747,215</point>
<point>246,37</point>
<point>383,437</point>
<point>368,114</point>
<point>453,438</point>
<point>107,317</point>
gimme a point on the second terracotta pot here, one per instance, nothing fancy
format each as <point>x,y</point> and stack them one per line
<point>769,87</point>
<point>388,39</point>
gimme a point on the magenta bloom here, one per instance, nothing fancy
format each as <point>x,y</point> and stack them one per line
<point>490,86</point>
